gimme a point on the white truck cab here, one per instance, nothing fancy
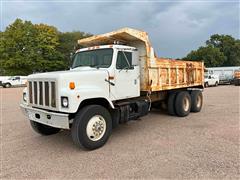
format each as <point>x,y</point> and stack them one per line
<point>108,85</point>
<point>103,74</point>
<point>14,81</point>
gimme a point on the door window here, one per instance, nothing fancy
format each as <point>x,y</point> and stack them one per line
<point>124,60</point>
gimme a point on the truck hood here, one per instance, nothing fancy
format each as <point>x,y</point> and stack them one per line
<point>81,71</point>
<point>82,77</point>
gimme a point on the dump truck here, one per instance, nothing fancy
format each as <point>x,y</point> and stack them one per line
<point>114,78</point>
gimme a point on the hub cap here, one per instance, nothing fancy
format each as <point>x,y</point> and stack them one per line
<point>96,128</point>
<point>186,104</point>
<point>199,101</point>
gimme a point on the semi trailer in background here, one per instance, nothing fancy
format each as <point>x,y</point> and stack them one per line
<point>114,79</point>
<point>226,74</point>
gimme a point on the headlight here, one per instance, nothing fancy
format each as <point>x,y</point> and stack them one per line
<point>64,101</point>
<point>25,97</point>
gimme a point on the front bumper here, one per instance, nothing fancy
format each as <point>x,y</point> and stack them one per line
<point>53,119</point>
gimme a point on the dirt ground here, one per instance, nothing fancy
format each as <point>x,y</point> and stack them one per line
<point>201,145</point>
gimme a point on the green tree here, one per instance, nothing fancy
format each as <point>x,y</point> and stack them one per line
<point>15,45</point>
<point>228,46</point>
<point>26,48</point>
<point>211,56</point>
<point>220,50</point>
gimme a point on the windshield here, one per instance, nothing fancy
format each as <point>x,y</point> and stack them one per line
<point>100,58</point>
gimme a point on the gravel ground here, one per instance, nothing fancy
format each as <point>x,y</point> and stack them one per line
<point>202,145</point>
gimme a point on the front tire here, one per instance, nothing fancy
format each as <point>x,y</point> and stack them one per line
<point>91,127</point>
<point>43,129</point>
<point>183,103</point>
<point>7,85</point>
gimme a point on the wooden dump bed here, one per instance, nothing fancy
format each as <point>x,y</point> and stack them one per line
<point>156,74</point>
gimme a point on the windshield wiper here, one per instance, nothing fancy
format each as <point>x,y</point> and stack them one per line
<point>95,66</point>
<point>77,66</point>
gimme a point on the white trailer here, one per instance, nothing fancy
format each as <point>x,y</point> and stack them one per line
<point>226,74</point>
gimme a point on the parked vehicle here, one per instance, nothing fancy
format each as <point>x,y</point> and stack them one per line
<point>115,79</point>
<point>3,78</point>
<point>226,74</point>
<point>14,81</point>
<point>211,80</point>
<point>237,78</point>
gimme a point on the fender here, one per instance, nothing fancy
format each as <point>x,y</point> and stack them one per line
<point>77,96</point>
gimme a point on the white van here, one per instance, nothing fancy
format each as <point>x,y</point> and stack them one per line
<point>211,80</point>
<point>14,81</point>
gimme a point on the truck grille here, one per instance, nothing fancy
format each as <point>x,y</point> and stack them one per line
<point>42,94</point>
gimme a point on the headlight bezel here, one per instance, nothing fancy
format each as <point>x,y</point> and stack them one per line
<point>64,102</point>
<point>24,96</point>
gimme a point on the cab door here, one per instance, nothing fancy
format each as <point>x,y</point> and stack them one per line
<point>211,80</point>
<point>15,80</point>
<point>126,77</point>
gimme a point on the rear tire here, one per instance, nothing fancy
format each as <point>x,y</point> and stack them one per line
<point>91,127</point>
<point>183,104</point>
<point>197,101</point>
<point>216,83</point>
<point>43,129</point>
<point>171,103</point>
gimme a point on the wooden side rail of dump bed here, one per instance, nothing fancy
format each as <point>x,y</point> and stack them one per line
<point>172,74</point>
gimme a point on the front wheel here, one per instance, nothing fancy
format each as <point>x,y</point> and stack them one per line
<point>92,127</point>
<point>8,85</point>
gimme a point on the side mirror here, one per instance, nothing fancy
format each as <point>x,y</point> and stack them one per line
<point>71,58</point>
<point>71,55</point>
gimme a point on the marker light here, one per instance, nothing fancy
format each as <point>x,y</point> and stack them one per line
<point>72,85</point>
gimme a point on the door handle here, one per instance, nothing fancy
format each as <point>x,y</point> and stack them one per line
<point>111,83</point>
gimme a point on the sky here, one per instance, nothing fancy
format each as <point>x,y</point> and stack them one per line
<point>175,27</point>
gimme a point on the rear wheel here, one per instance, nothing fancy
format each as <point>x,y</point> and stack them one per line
<point>197,101</point>
<point>171,104</point>
<point>92,127</point>
<point>183,103</point>
<point>43,129</point>
<point>216,83</point>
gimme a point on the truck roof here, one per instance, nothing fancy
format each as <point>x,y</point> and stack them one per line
<point>106,46</point>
